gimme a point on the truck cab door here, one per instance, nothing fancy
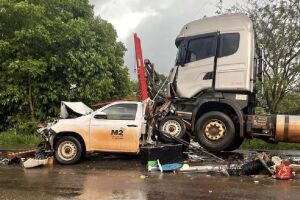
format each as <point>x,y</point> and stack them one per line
<point>118,130</point>
<point>197,69</point>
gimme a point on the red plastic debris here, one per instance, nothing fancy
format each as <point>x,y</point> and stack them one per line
<point>283,171</point>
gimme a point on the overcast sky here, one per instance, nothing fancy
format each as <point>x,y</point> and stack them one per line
<point>157,23</point>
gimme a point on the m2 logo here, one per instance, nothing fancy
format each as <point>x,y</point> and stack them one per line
<point>117,133</point>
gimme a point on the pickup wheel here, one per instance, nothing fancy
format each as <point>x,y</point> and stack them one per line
<point>215,131</point>
<point>172,125</point>
<point>68,150</point>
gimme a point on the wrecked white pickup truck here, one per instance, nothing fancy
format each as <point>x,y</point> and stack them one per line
<point>116,127</point>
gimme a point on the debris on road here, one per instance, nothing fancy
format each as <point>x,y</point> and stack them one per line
<point>166,158</point>
<point>218,169</point>
<point>259,165</point>
<point>143,176</point>
<point>166,153</point>
<point>283,171</point>
<point>4,161</point>
<point>22,154</point>
<point>195,150</point>
<point>170,167</point>
<point>32,162</point>
<point>30,158</point>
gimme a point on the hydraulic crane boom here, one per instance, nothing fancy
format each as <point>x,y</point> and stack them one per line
<point>140,68</point>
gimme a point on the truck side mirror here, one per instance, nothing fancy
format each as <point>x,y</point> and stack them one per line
<point>182,55</point>
<point>100,115</point>
<point>180,58</point>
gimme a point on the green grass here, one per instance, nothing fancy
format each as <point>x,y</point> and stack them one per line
<point>11,138</point>
<point>260,144</point>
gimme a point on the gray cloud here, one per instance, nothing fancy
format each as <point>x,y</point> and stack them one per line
<point>158,25</point>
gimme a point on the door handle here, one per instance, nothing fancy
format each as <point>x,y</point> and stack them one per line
<point>132,125</point>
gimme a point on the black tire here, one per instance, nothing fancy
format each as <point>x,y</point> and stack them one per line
<point>172,125</point>
<point>215,131</point>
<point>238,141</point>
<point>68,150</point>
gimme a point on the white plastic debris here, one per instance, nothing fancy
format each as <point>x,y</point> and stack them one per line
<point>276,160</point>
<point>219,169</point>
<point>31,162</point>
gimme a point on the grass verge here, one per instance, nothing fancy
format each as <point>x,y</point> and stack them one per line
<point>11,138</point>
<point>260,144</point>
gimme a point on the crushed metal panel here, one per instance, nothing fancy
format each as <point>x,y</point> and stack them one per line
<point>77,107</point>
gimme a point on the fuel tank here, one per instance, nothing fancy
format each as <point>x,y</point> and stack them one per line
<point>287,128</point>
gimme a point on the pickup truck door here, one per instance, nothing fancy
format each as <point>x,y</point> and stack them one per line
<point>120,132</point>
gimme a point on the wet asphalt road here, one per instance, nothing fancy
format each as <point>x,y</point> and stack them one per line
<point>118,177</point>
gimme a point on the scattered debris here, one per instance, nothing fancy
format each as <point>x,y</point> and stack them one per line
<point>33,162</point>
<point>261,165</point>
<point>30,158</point>
<point>166,153</point>
<point>143,176</point>
<point>171,167</point>
<point>283,171</point>
<point>197,150</point>
<point>14,160</point>
<point>252,168</point>
<point>276,160</point>
<point>4,161</point>
<point>218,169</point>
<point>22,154</point>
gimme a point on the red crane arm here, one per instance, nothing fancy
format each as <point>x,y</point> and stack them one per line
<point>140,68</point>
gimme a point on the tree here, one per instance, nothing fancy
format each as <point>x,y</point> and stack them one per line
<point>277,27</point>
<point>53,50</point>
<point>290,104</point>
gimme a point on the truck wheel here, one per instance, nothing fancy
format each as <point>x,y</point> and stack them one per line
<point>215,131</point>
<point>172,125</point>
<point>238,141</point>
<point>68,150</point>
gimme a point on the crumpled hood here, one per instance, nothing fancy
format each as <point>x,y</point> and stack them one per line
<point>72,124</point>
<point>77,107</point>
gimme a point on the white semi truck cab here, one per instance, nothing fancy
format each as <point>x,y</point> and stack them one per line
<point>215,53</point>
<point>212,86</point>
